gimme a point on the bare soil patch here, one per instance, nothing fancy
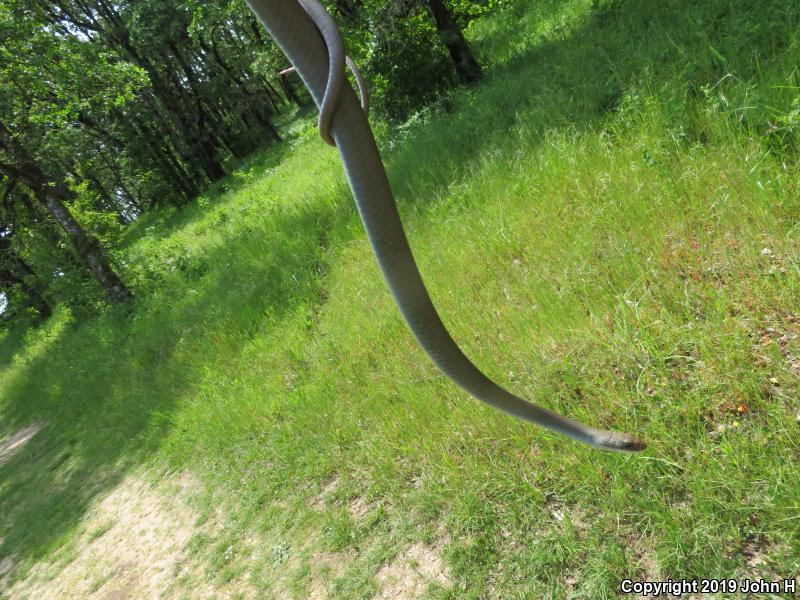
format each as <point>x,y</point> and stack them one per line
<point>326,567</point>
<point>320,501</point>
<point>132,545</point>
<point>410,574</point>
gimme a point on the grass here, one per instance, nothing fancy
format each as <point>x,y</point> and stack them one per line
<point>608,225</point>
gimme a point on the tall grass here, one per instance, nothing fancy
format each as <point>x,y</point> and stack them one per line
<point>609,226</point>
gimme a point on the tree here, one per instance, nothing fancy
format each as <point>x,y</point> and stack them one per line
<point>39,97</point>
<point>54,195</point>
<point>15,272</point>
<point>17,278</point>
<point>202,95</point>
<point>411,51</point>
<point>452,37</point>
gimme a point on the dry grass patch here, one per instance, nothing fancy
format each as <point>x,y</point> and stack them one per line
<point>320,501</point>
<point>411,573</point>
<point>358,508</point>
<point>132,545</point>
<point>326,567</point>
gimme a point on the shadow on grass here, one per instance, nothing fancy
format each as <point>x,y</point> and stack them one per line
<point>12,339</point>
<point>107,389</point>
<point>563,77</point>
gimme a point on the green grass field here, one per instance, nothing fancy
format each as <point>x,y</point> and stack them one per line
<point>610,226</point>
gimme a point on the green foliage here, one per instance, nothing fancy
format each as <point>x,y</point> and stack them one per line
<point>409,69</point>
<point>121,107</point>
<point>402,56</point>
<point>48,81</point>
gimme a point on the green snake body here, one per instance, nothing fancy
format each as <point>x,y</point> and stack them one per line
<point>310,38</point>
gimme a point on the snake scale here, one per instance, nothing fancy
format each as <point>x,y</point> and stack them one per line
<point>309,37</point>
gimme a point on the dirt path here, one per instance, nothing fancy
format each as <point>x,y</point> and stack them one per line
<point>133,544</point>
<point>136,543</point>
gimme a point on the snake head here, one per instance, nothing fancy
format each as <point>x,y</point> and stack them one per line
<point>619,442</point>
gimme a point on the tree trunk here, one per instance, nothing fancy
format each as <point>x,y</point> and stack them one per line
<point>86,246</point>
<point>168,93</point>
<point>291,92</point>
<point>452,37</point>
<point>164,147</point>
<point>53,194</point>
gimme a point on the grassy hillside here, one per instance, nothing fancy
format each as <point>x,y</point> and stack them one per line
<point>609,225</point>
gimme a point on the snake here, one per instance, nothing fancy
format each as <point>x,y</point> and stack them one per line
<point>310,38</point>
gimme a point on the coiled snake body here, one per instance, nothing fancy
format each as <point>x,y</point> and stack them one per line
<point>310,38</point>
